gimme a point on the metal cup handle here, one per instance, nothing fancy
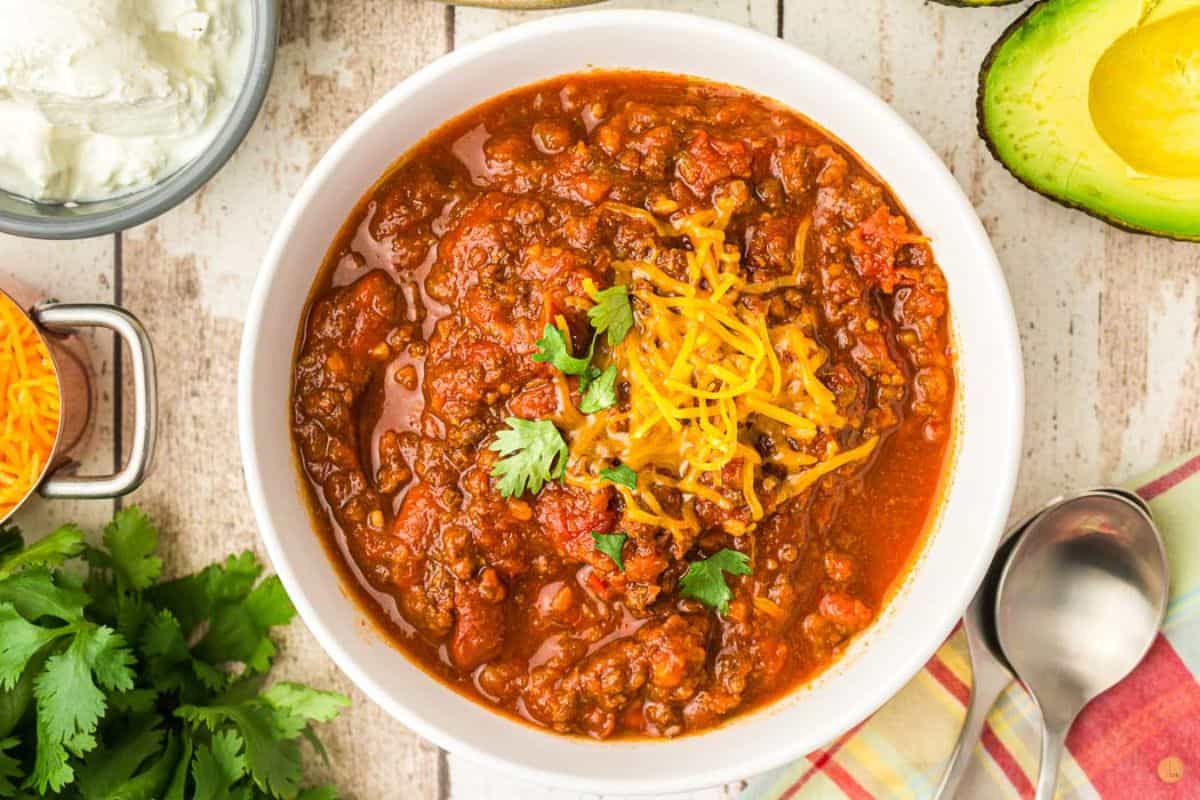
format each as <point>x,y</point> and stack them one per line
<point>62,317</point>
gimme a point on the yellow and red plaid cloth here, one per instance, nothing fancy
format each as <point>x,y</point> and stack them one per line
<point>1141,739</point>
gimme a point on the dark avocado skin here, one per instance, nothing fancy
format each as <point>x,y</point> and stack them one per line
<point>983,134</point>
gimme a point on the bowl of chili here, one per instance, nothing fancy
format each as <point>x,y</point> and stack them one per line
<point>858,517</point>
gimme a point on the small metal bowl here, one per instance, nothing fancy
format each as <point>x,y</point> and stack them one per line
<point>23,217</point>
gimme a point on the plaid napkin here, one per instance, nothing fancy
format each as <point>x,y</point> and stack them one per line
<point>1141,739</point>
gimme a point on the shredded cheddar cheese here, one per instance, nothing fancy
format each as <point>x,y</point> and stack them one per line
<point>708,375</point>
<point>29,405</point>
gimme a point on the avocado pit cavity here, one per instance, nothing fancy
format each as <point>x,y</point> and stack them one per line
<point>1144,96</point>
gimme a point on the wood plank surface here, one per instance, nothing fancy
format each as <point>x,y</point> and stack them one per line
<point>1110,321</point>
<point>471,24</point>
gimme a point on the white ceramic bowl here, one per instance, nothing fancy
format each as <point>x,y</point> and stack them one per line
<point>979,490</point>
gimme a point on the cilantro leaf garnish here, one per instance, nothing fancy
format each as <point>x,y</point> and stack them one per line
<point>39,592</point>
<point>613,313</point>
<point>589,375</point>
<point>620,474</point>
<point>11,541</point>
<point>131,541</point>
<point>71,701</point>
<point>270,724</point>
<point>240,630</point>
<point>170,662</point>
<point>600,393</point>
<point>304,702</point>
<point>108,769</point>
<point>534,452</point>
<point>20,640</point>
<point>318,793</point>
<point>10,768</point>
<point>115,685</point>
<point>194,598</point>
<point>219,765</point>
<point>612,316</point>
<point>50,551</point>
<point>238,613</point>
<point>705,581</point>
<point>610,544</point>
<point>272,754</point>
<point>555,349</point>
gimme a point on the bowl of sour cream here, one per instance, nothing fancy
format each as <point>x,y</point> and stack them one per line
<point>114,112</point>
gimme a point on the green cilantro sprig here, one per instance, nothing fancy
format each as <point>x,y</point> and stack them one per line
<point>117,684</point>
<point>534,452</point>
<point>613,313</point>
<point>555,349</point>
<point>601,393</point>
<point>705,581</point>
<point>611,544</point>
<point>620,474</point>
<point>598,386</point>
<point>612,317</point>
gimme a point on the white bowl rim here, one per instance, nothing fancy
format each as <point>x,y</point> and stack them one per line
<point>1005,465</point>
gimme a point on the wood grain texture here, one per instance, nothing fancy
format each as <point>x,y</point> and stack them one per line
<point>188,275</point>
<point>1109,320</point>
<point>762,15</point>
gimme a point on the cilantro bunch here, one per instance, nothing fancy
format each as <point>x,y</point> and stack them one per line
<point>115,685</point>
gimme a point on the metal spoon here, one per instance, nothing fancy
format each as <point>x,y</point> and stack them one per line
<point>1079,603</point>
<point>990,671</point>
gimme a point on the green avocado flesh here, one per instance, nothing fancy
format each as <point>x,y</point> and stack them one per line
<point>1096,104</point>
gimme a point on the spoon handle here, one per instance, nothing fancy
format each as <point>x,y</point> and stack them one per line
<point>988,680</point>
<point>990,674</point>
<point>1054,740</point>
<point>982,700</point>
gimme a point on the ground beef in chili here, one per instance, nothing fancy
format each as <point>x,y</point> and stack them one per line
<point>417,346</point>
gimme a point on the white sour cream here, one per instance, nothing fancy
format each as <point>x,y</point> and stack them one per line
<point>103,97</point>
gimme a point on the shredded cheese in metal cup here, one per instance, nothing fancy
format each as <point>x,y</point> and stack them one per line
<point>29,406</point>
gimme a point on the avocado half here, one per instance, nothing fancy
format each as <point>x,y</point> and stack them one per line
<point>1097,105</point>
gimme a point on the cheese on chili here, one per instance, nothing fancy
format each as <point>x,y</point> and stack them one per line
<point>706,374</point>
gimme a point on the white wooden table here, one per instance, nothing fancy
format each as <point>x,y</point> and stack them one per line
<point>1110,321</point>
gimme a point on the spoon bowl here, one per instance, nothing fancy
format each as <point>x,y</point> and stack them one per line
<point>1078,605</point>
